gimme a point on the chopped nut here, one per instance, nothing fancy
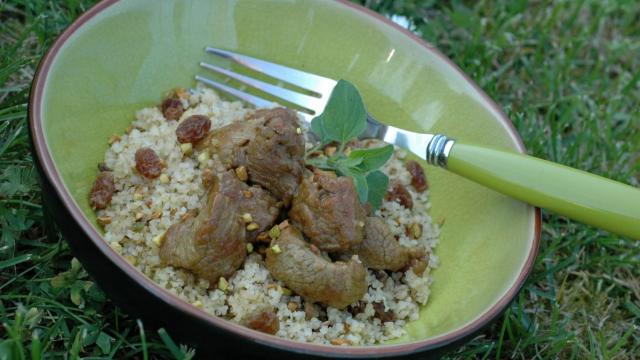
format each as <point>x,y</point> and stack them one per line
<point>241,173</point>
<point>116,246</point>
<point>156,214</point>
<point>148,203</point>
<point>182,93</point>
<point>340,342</point>
<point>272,286</point>
<point>298,131</point>
<point>128,129</point>
<point>249,248</point>
<point>130,259</point>
<point>253,226</point>
<point>186,215</point>
<point>274,233</point>
<point>186,148</point>
<point>247,194</point>
<point>139,216</point>
<point>158,239</point>
<point>416,230</point>
<point>163,164</point>
<point>360,223</point>
<point>223,284</point>
<point>283,225</point>
<point>138,196</point>
<point>263,237</point>
<point>276,249</point>
<point>330,150</point>
<point>104,220</point>
<point>203,158</point>
<point>347,327</point>
<point>137,227</point>
<point>208,178</point>
<point>197,303</point>
<point>314,249</point>
<point>292,306</point>
<point>114,139</point>
<point>247,218</point>
<point>286,291</point>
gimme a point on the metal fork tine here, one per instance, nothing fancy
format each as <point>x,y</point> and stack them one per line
<point>252,99</point>
<point>308,102</point>
<point>305,80</point>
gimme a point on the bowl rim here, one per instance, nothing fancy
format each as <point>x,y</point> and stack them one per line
<point>43,156</point>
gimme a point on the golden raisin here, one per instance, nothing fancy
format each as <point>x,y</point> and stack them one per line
<point>399,194</point>
<point>264,321</point>
<point>418,178</point>
<point>193,129</point>
<point>102,190</point>
<point>148,163</point>
<point>172,108</point>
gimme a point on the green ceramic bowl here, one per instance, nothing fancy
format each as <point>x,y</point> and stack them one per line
<point>123,55</point>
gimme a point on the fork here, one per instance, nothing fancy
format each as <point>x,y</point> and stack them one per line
<point>577,194</point>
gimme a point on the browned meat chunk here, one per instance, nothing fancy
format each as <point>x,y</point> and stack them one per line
<point>313,277</point>
<point>211,244</point>
<point>268,146</point>
<point>328,210</point>
<point>264,320</point>
<point>261,207</point>
<point>381,251</point>
<point>102,190</point>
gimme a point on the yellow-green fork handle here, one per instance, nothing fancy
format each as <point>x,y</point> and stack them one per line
<point>577,194</point>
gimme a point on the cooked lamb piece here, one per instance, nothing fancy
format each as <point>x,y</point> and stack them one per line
<point>381,251</point>
<point>211,244</point>
<point>268,144</point>
<point>291,260</point>
<point>328,210</point>
<point>261,207</point>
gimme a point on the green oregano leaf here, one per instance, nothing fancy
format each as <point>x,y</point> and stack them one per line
<point>377,183</point>
<point>344,117</point>
<point>372,158</point>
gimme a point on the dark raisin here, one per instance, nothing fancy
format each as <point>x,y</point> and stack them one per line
<point>265,321</point>
<point>381,275</point>
<point>102,190</point>
<point>172,108</point>
<point>193,129</point>
<point>357,308</point>
<point>400,194</point>
<point>381,313</point>
<point>418,179</point>
<point>148,163</point>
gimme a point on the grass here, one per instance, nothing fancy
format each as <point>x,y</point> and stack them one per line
<point>566,73</point>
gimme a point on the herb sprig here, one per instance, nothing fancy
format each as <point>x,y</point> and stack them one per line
<point>343,120</point>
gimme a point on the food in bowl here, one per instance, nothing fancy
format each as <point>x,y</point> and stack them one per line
<point>235,211</point>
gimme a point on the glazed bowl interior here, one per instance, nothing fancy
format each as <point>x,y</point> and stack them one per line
<point>130,53</point>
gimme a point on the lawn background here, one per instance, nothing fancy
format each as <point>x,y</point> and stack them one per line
<point>566,72</point>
